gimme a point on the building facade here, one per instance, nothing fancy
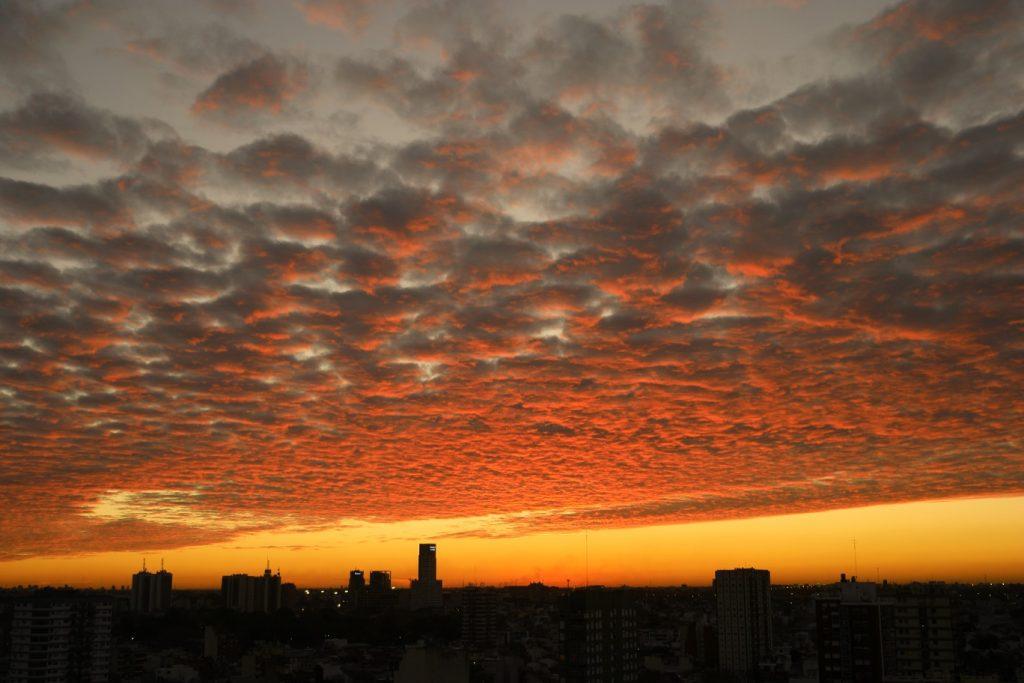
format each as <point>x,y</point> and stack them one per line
<point>868,632</point>
<point>151,592</point>
<point>479,617</point>
<point>744,609</point>
<point>244,593</point>
<point>60,636</point>
<point>425,589</point>
<point>598,637</point>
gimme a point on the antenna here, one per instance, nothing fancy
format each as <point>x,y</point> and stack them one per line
<point>143,564</point>
<point>586,560</point>
<point>855,571</point>
<point>161,564</point>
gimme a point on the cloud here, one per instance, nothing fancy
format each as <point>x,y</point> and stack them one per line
<point>49,125</point>
<point>28,60</point>
<point>570,259</point>
<point>265,86</point>
<point>350,16</point>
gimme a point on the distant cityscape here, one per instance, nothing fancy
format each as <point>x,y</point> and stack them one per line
<point>742,628</point>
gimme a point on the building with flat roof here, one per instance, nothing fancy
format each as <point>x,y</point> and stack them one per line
<point>151,591</point>
<point>58,635</point>
<point>244,593</point>
<point>744,608</point>
<point>598,637</point>
<point>425,589</point>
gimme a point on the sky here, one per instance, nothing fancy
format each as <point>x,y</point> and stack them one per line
<point>579,290</point>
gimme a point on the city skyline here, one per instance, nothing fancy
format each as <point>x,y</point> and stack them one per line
<point>586,560</point>
<point>557,285</point>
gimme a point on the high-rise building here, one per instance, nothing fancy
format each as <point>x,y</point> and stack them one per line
<point>151,592</point>
<point>598,637</point>
<point>426,589</point>
<point>356,588</point>
<point>244,593</point>
<point>850,634</point>
<point>479,617</point>
<point>378,594</point>
<point>60,636</point>
<point>744,607</point>
<point>380,580</point>
<point>918,633</point>
<point>868,632</point>
<point>427,562</point>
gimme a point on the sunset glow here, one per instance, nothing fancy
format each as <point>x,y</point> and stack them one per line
<point>587,291</point>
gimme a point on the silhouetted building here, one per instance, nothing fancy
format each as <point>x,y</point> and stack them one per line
<point>378,594</point>
<point>356,588</point>
<point>850,634</point>
<point>151,592</point>
<point>700,641</point>
<point>598,636</point>
<point>744,608</point>
<point>380,580</point>
<point>426,589</point>
<point>919,642</point>
<point>244,593</point>
<point>479,617</point>
<point>896,633</point>
<point>60,636</point>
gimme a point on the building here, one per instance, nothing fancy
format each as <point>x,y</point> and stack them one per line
<point>60,636</point>
<point>151,592</point>
<point>868,632</point>
<point>849,636</point>
<point>918,633</point>
<point>356,588</point>
<point>378,594</point>
<point>479,617</point>
<point>426,591</point>
<point>744,608</point>
<point>380,581</point>
<point>244,593</point>
<point>598,637</point>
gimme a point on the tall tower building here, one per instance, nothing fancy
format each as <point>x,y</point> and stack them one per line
<point>380,580</point>
<point>598,637</point>
<point>244,593</point>
<point>868,632</point>
<point>744,603</point>
<point>850,641</point>
<point>919,632</point>
<point>479,617</point>
<point>60,636</point>
<point>378,595</point>
<point>425,590</point>
<point>151,592</point>
<point>427,562</point>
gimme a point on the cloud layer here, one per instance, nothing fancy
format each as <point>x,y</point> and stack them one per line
<point>577,285</point>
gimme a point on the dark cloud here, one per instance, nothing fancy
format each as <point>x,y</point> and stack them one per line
<point>50,125</point>
<point>953,59</point>
<point>207,50</point>
<point>28,58</point>
<point>265,86</point>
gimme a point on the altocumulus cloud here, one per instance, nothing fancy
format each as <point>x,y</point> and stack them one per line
<point>546,273</point>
